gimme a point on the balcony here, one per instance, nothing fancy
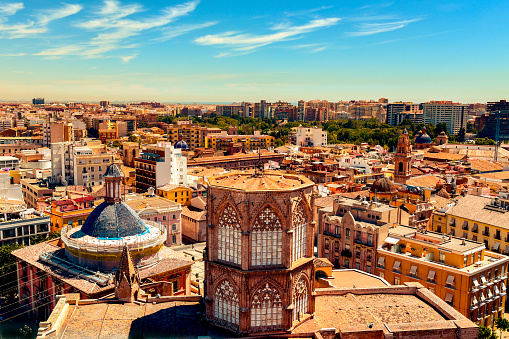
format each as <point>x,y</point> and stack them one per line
<point>497,236</point>
<point>346,253</point>
<point>331,234</point>
<point>486,234</point>
<point>365,243</point>
<point>413,275</point>
<point>475,230</point>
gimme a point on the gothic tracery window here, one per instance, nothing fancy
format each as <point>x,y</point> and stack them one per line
<point>267,307</point>
<point>300,298</point>
<point>299,224</point>
<point>226,303</point>
<point>229,236</point>
<point>266,239</point>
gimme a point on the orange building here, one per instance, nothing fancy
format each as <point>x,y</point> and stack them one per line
<point>459,271</point>
<point>70,212</point>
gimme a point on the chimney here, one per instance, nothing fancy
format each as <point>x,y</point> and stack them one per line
<point>450,236</point>
<point>463,241</point>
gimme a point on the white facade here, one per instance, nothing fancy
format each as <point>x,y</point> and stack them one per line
<point>361,164</point>
<point>173,170</point>
<point>310,136</point>
<point>454,115</point>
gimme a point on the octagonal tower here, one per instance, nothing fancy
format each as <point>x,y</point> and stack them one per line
<point>259,260</point>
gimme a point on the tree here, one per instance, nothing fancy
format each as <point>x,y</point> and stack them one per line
<point>486,333</point>
<point>461,135</point>
<point>8,270</point>
<point>117,143</point>
<point>502,324</point>
<point>484,141</point>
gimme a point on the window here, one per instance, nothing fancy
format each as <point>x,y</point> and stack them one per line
<point>299,233</point>
<point>300,298</point>
<point>174,239</point>
<point>431,289</point>
<point>80,222</point>
<point>347,232</point>
<point>441,257</point>
<point>267,307</point>
<point>228,233</point>
<point>370,239</point>
<point>396,281</point>
<point>226,304</point>
<point>358,265</point>
<point>382,275</point>
<point>449,298</point>
<point>266,239</point>
<point>164,217</point>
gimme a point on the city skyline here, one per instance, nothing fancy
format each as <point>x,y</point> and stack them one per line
<point>203,51</point>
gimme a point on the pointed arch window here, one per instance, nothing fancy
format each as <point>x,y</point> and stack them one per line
<point>267,308</point>
<point>266,239</point>
<point>229,237</point>
<point>299,224</point>
<point>300,298</point>
<point>226,304</point>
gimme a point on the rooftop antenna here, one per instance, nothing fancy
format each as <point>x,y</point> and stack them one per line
<point>259,168</point>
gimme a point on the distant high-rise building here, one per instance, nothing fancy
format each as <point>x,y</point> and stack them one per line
<point>399,111</point>
<point>453,114</point>
<point>104,103</point>
<point>38,101</point>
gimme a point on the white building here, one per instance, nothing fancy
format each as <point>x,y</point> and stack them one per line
<point>310,136</point>
<point>173,170</point>
<point>361,164</point>
<point>453,114</point>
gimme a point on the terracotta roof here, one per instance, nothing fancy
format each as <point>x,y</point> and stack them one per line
<point>322,262</point>
<point>485,165</point>
<point>472,207</point>
<point>324,201</point>
<point>354,195</point>
<point>429,180</point>
<point>443,193</point>
<point>443,156</point>
<point>495,175</point>
<point>170,261</point>
<point>193,213</point>
<point>267,181</point>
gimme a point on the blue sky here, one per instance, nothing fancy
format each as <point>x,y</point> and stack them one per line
<point>225,51</point>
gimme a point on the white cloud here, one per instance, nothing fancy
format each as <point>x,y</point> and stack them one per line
<point>375,28</point>
<point>172,32</point>
<point>12,55</point>
<point>114,28</point>
<point>307,11</point>
<point>31,28</point>
<point>241,42</point>
<point>11,8</point>
<point>311,48</point>
<point>126,59</point>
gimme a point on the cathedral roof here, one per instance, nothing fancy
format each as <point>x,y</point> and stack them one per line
<point>113,171</point>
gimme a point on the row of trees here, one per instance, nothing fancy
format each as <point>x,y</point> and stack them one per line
<point>339,131</point>
<point>502,325</point>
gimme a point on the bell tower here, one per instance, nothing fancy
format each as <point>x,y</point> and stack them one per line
<point>403,159</point>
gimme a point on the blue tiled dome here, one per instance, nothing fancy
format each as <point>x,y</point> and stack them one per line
<point>423,138</point>
<point>113,220</point>
<point>181,144</point>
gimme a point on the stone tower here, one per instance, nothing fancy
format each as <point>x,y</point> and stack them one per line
<point>403,159</point>
<point>259,275</point>
<point>127,279</point>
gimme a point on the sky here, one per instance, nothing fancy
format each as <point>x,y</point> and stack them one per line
<point>231,51</point>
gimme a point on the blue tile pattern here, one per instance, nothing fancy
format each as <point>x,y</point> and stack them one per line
<point>113,220</point>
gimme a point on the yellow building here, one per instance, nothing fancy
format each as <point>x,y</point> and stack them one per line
<point>459,271</point>
<point>249,142</point>
<point>476,218</point>
<point>179,194</point>
<point>70,212</point>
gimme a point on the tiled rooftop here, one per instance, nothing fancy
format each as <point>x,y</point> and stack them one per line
<point>472,207</point>
<point>174,319</point>
<point>170,260</point>
<point>349,310</point>
<point>268,181</point>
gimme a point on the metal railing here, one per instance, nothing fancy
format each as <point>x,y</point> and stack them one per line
<point>114,246</point>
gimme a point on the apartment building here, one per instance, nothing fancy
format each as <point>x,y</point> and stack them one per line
<point>309,136</point>
<point>194,135</point>
<point>461,272</point>
<point>248,142</point>
<point>34,190</point>
<point>399,111</point>
<point>177,193</point>
<point>163,211</point>
<point>158,165</point>
<point>453,114</point>
<point>350,231</point>
<point>228,110</point>
<point>477,218</point>
<point>71,212</point>
<point>19,224</point>
<point>53,132</point>
<point>80,163</point>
